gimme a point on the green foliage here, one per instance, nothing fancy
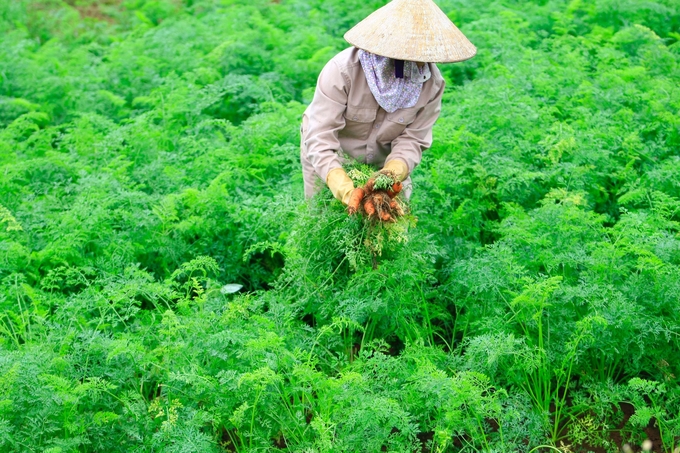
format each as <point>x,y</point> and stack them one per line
<point>164,287</point>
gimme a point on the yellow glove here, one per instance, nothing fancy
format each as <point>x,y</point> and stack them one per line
<point>398,167</point>
<point>340,184</point>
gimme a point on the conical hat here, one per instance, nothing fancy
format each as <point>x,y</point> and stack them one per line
<point>411,30</point>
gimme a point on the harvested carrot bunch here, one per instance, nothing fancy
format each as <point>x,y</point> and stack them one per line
<point>384,221</point>
<point>378,204</point>
<point>379,200</point>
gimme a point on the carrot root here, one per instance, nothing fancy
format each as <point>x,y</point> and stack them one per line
<point>395,189</point>
<point>368,187</point>
<point>369,207</point>
<point>385,216</point>
<point>355,200</point>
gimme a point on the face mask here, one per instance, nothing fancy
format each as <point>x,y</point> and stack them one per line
<point>391,91</point>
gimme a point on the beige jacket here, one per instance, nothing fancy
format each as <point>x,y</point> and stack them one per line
<point>345,116</point>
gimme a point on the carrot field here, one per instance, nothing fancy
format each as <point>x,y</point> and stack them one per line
<point>166,287</point>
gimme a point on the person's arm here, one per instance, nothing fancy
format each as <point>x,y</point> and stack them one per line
<point>325,117</point>
<point>407,149</point>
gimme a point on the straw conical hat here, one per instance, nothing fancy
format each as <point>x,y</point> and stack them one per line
<point>412,30</point>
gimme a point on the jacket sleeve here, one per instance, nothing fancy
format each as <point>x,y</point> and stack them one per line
<point>325,117</point>
<point>417,136</point>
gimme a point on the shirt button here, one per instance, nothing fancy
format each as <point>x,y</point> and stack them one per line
<point>401,120</point>
<point>377,126</point>
<point>370,156</point>
<point>354,118</point>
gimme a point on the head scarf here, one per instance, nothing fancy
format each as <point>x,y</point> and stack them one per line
<point>392,92</point>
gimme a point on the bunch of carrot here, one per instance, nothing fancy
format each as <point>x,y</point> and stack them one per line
<point>377,198</point>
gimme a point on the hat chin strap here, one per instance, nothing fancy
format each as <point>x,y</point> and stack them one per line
<point>399,69</point>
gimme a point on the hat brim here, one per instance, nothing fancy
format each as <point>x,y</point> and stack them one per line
<point>412,30</point>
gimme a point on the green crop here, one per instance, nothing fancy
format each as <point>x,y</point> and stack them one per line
<point>165,287</point>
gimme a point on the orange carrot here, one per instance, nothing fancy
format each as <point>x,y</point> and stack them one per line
<point>355,200</point>
<point>385,216</point>
<point>395,189</point>
<point>368,187</point>
<point>394,205</point>
<point>378,198</point>
<point>369,207</point>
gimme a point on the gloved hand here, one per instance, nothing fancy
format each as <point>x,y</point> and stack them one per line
<point>340,185</point>
<point>398,167</point>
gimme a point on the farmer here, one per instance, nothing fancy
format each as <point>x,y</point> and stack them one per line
<point>378,100</point>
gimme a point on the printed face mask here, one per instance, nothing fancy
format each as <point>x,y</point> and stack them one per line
<point>392,92</point>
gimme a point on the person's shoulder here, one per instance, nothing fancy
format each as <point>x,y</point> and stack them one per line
<point>344,64</point>
<point>347,59</point>
<point>436,82</point>
<point>436,74</point>
<point>341,67</point>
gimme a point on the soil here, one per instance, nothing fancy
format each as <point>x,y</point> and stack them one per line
<point>93,10</point>
<point>226,443</point>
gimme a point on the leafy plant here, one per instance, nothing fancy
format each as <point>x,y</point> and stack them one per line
<point>165,287</point>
